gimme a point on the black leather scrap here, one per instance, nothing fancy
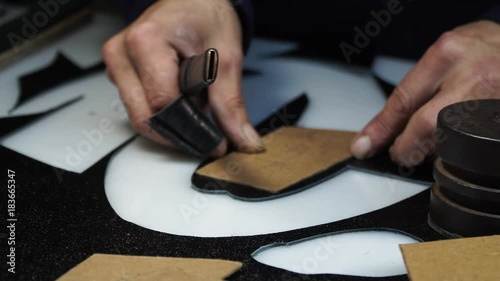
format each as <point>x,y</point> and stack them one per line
<point>182,122</point>
<point>187,127</point>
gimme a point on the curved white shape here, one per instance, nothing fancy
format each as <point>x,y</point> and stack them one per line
<point>82,47</point>
<point>152,188</point>
<point>75,137</point>
<point>373,253</point>
<point>340,97</point>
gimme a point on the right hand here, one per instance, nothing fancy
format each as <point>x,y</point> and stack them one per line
<point>143,62</point>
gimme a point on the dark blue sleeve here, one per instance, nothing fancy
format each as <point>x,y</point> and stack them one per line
<point>133,8</point>
<point>493,14</point>
<point>245,12</point>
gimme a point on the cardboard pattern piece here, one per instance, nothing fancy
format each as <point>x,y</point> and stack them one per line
<point>458,259</point>
<point>295,158</point>
<point>116,267</point>
<point>216,180</point>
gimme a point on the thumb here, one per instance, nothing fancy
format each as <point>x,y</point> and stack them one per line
<point>228,106</point>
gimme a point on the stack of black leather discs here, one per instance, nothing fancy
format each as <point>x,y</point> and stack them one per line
<point>465,199</point>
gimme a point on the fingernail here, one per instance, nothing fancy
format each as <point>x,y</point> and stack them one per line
<point>361,148</point>
<point>253,142</point>
<point>393,155</point>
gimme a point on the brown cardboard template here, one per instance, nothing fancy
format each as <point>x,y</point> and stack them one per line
<point>292,154</point>
<point>138,268</point>
<point>458,259</point>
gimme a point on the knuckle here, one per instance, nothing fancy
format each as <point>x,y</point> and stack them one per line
<point>141,33</point>
<point>401,102</point>
<point>158,100</point>
<point>382,124</point>
<point>449,45</point>
<point>110,50</point>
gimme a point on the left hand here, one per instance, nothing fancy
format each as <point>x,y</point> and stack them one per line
<point>463,64</point>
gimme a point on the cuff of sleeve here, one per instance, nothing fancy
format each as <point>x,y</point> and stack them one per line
<point>244,10</point>
<point>493,14</point>
<point>133,8</point>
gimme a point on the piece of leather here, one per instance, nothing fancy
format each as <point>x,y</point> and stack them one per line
<point>381,164</point>
<point>182,122</point>
<point>289,114</point>
<point>185,125</point>
<point>295,158</point>
<point>60,71</point>
<point>10,124</point>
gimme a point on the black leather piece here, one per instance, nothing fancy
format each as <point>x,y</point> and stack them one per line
<point>60,71</point>
<point>186,126</point>
<point>183,123</point>
<point>249,193</point>
<point>10,124</point>
<point>289,115</point>
<point>382,164</point>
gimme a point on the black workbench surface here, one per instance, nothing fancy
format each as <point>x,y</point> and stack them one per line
<point>63,218</point>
